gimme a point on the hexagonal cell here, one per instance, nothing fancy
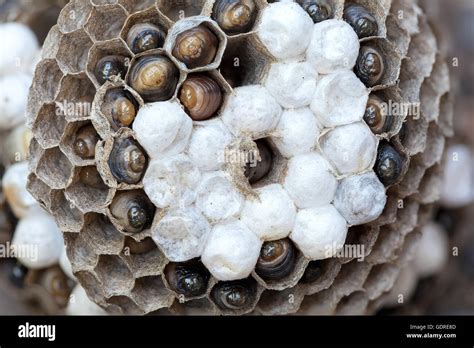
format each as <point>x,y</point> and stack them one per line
<point>114,275</point>
<point>203,95</point>
<point>386,60</point>
<point>88,191</point>
<point>236,297</point>
<point>154,76</point>
<point>320,275</point>
<point>238,16</point>
<point>274,302</point>
<point>55,169</point>
<point>35,151</point>
<point>50,45</point>
<point>67,216</point>
<point>131,212</point>
<point>49,126</point>
<point>125,305</point>
<point>153,36</point>
<point>151,294</point>
<point>353,304</point>
<point>116,49</point>
<point>45,84</point>
<point>378,10</point>
<point>72,51</point>
<point>121,161</point>
<point>196,44</point>
<point>74,100</point>
<point>188,280</point>
<point>179,9</point>
<point>39,190</point>
<point>102,236</point>
<point>92,285</point>
<point>245,62</point>
<point>143,257</point>
<point>79,142</point>
<point>79,252</point>
<point>120,106</point>
<point>280,265</point>
<point>105,22</point>
<point>74,15</point>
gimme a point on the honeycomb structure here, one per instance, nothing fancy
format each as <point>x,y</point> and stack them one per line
<point>125,272</point>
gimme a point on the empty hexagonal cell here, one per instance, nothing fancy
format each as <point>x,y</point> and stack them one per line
<point>49,126</point>
<point>74,100</point>
<point>203,95</point>
<point>145,30</point>
<point>79,252</point>
<point>176,10</point>
<point>131,211</point>
<point>72,51</point>
<point>79,142</point>
<point>196,44</point>
<point>39,190</point>
<point>143,257</point>
<point>102,236</point>
<point>106,21</point>
<point>35,151</point>
<point>151,294</point>
<point>114,275</point>
<point>67,216</point>
<point>74,15</point>
<point>353,304</point>
<point>245,62</point>
<point>45,82</point>
<point>187,279</point>
<point>280,265</point>
<point>124,305</point>
<point>273,302</point>
<point>54,169</point>
<point>237,296</point>
<point>50,45</point>
<point>88,191</point>
<point>106,60</point>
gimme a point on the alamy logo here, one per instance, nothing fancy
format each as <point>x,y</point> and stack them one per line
<point>37,331</point>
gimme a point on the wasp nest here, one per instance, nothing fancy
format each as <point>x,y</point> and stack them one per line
<point>239,155</point>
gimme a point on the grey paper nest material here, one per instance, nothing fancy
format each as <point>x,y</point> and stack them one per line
<point>118,263</point>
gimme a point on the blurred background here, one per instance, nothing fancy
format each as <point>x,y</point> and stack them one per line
<point>445,288</point>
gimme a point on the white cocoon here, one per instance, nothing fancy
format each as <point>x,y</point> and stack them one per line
<point>171,181</point>
<point>309,181</point>
<point>217,198</point>
<point>181,234</point>
<point>14,187</point>
<point>207,144</point>
<point>14,98</point>
<point>319,232</point>
<point>360,198</point>
<point>351,148</point>
<point>271,215</point>
<point>162,128</point>
<point>231,251</point>
<point>80,304</point>
<point>251,110</point>
<point>334,45</point>
<point>292,84</point>
<point>18,46</point>
<point>297,132</point>
<point>432,251</point>
<point>37,241</point>
<point>340,98</point>
<point>285,29</point>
